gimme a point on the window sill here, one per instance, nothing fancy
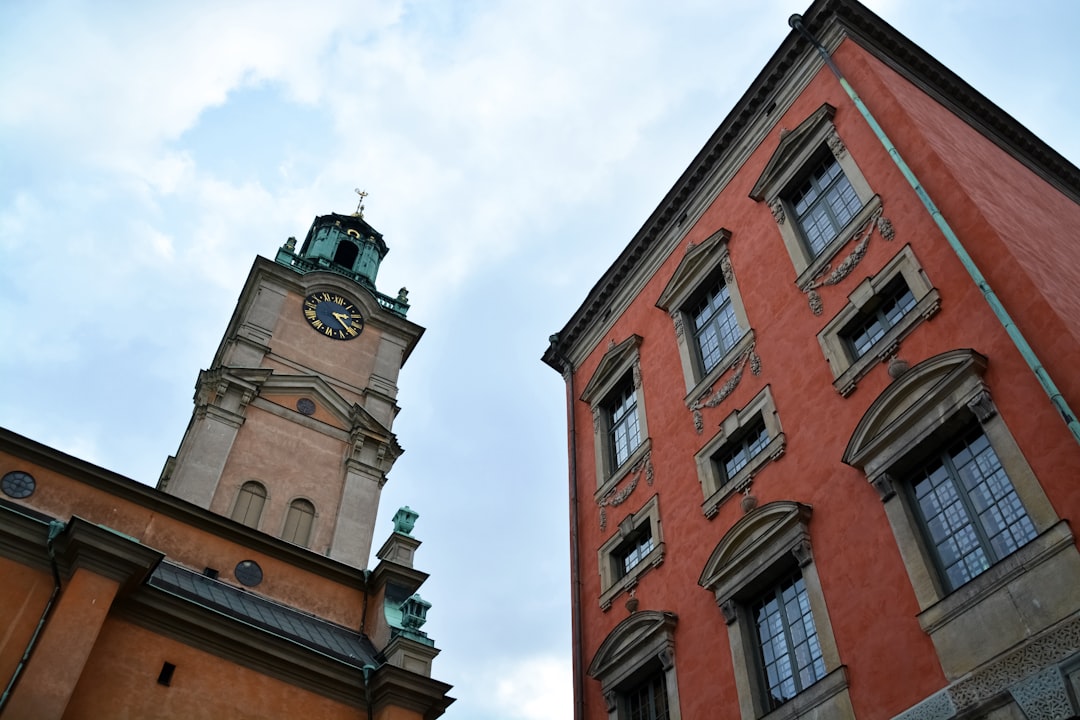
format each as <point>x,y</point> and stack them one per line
<point>731,359</point>
<point>820,264</point>
<point>655,558</point>
<point>887,346</point>
<point>773,451</point>
<point>633,464</point>
<point>825,698</point>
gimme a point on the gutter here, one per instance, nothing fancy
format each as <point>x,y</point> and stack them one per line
<point>1018,339</point>
<point>55,528</point>
<point>567,369</point>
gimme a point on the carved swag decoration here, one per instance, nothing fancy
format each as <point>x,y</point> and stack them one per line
<point>616,497</point>
<point>748,356</point>
<point>831,276</point>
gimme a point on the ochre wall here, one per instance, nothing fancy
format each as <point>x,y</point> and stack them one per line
<point>854,550</point>
<point>63,497</point>
<point>120,681</point>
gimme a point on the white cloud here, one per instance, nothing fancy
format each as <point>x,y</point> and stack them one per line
<point>528,688</point>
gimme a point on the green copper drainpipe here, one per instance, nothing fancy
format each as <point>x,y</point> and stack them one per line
<point>1056,398</point>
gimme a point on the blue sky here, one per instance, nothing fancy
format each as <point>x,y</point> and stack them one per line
<point>149,151</point>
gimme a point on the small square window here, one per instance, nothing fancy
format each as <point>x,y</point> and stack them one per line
<point>738,453</point>
<point>634,549</point>
<point>748,439</point>
<point>874,320</point>
<point>881,311</point>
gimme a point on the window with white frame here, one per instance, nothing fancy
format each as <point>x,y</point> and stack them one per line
<point>747,440</point>
<point>711,326</point>
<point>881,311</point>
<point>635,666</point>
<point>968,514</point>
<point>817,194</point>
<point>615,396</point>
<point>764,579</point>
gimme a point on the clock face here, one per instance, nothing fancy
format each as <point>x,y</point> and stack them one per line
<point>333,316</point>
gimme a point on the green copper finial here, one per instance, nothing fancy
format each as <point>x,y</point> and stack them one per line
<point>360,205</point>
<point>404,520</point>
<point>414,614</point>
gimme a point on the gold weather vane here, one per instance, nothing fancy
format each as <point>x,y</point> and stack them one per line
<point>360,205</point>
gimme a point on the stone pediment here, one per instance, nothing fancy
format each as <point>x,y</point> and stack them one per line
<point>791,151</point>
<point>912,405</point>
<point>613,363</point>
<point>753,541</point>
<point>641,635</point>
<point>698,260</point>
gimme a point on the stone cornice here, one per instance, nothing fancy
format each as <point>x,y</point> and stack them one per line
<point>393,687</point>
<point>180,510</point>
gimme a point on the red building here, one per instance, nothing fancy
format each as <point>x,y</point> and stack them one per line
<point>823,442</point>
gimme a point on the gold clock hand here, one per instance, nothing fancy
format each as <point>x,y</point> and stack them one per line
<point>342,318</point>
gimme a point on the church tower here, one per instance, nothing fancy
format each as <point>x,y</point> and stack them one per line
<point>291,431</point>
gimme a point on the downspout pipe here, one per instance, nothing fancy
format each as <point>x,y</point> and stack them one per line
<point>55,528</point>
<point>1021,343</point>
<point>575,561</point>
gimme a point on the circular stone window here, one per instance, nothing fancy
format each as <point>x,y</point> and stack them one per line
<point>305,406</point>
<point>18,484</point>
<point>248,573</point>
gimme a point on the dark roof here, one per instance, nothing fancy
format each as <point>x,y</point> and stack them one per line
<point>349,646</point>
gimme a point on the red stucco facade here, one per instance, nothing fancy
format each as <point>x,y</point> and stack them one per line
<point>1014,216</point>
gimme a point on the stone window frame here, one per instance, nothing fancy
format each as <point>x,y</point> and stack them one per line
<point>612,584</point>
<point>914,416</point>
<point>620,361</point>
<point>641,644</point>
<point>848,370</point>
<point>247,490</point>
<point>703,264</point>
<point>761,548</point>
<point>793,158</point>
<point>713,486</point>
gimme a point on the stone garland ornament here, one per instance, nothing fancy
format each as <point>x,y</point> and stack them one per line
<point>866,230</point>
<point>748,356</point>
<point>616,497</point>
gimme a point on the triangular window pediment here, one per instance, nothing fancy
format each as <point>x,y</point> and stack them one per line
<point>694,267</point>
<point>793,151</point>
<point>613,365</point>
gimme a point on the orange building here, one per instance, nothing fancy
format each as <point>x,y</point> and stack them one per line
<point>238,588</point>
<point>823,446</point>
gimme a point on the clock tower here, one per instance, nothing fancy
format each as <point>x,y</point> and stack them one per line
<point>291,431</point>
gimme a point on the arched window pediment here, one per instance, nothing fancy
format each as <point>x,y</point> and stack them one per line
<point>913,406</point>
<point>643,635</point>
<point>758,539</point>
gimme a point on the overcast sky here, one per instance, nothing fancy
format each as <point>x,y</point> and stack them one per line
<point>148,151</point>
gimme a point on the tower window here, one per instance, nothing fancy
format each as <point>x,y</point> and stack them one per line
<point>346,253</point>
<point>823,203</point>
<point>249,504</point>
<point>298,522</point>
